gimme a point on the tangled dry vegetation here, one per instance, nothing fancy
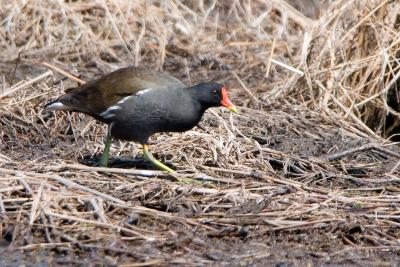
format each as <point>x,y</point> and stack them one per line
<point>305,174</point>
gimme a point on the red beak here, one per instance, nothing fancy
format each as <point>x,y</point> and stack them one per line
<point>226,102</point>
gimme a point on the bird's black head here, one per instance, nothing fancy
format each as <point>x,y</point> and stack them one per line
<point>213,94</point>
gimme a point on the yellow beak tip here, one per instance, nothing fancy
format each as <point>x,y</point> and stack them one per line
<point>233,109</point>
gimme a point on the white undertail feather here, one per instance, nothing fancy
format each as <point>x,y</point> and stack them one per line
<point>56,106</point>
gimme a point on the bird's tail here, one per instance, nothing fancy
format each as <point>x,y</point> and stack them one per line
<point>56,105</point>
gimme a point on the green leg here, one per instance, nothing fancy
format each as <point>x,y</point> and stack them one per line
<point>161,166</point>
<point>106,153</point>
<point>153,160</point>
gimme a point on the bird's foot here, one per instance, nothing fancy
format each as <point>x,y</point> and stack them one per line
<point>93,162</point>
<point>139,163</point>
<point>187,181</point>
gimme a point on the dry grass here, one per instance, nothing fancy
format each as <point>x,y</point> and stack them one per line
<point>352,66</point>
<point>297,176</point>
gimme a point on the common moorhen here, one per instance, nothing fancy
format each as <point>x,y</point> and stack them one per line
<point>136,103</point>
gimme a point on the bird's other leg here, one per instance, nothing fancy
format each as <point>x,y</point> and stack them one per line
<point>153,160</point>
<point>163,167</point>
<point>106,152</point>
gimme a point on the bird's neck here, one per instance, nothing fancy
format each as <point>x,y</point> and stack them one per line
<point>195,97</point>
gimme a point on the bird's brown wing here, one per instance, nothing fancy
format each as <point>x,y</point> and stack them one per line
<point>96,96</point>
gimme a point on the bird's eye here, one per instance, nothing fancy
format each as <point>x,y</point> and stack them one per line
<point>214,92</point>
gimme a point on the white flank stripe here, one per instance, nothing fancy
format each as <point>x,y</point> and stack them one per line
<point>145,91</point>
<point>110,112</point>
<point>124,99</point>
<point>107,116</point>
<point>104,113</point>
<point>115,107</point>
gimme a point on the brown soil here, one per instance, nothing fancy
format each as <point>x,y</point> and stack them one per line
<point>295,179</point>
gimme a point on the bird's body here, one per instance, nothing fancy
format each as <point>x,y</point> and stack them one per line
<point>137,103</point>
<point>96,96</point>
<point>128,123</point>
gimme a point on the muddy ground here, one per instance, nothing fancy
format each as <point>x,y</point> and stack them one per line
<point>271,186</point>
<point>233,242</point>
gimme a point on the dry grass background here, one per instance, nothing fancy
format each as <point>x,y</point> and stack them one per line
<point>303,175</point>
